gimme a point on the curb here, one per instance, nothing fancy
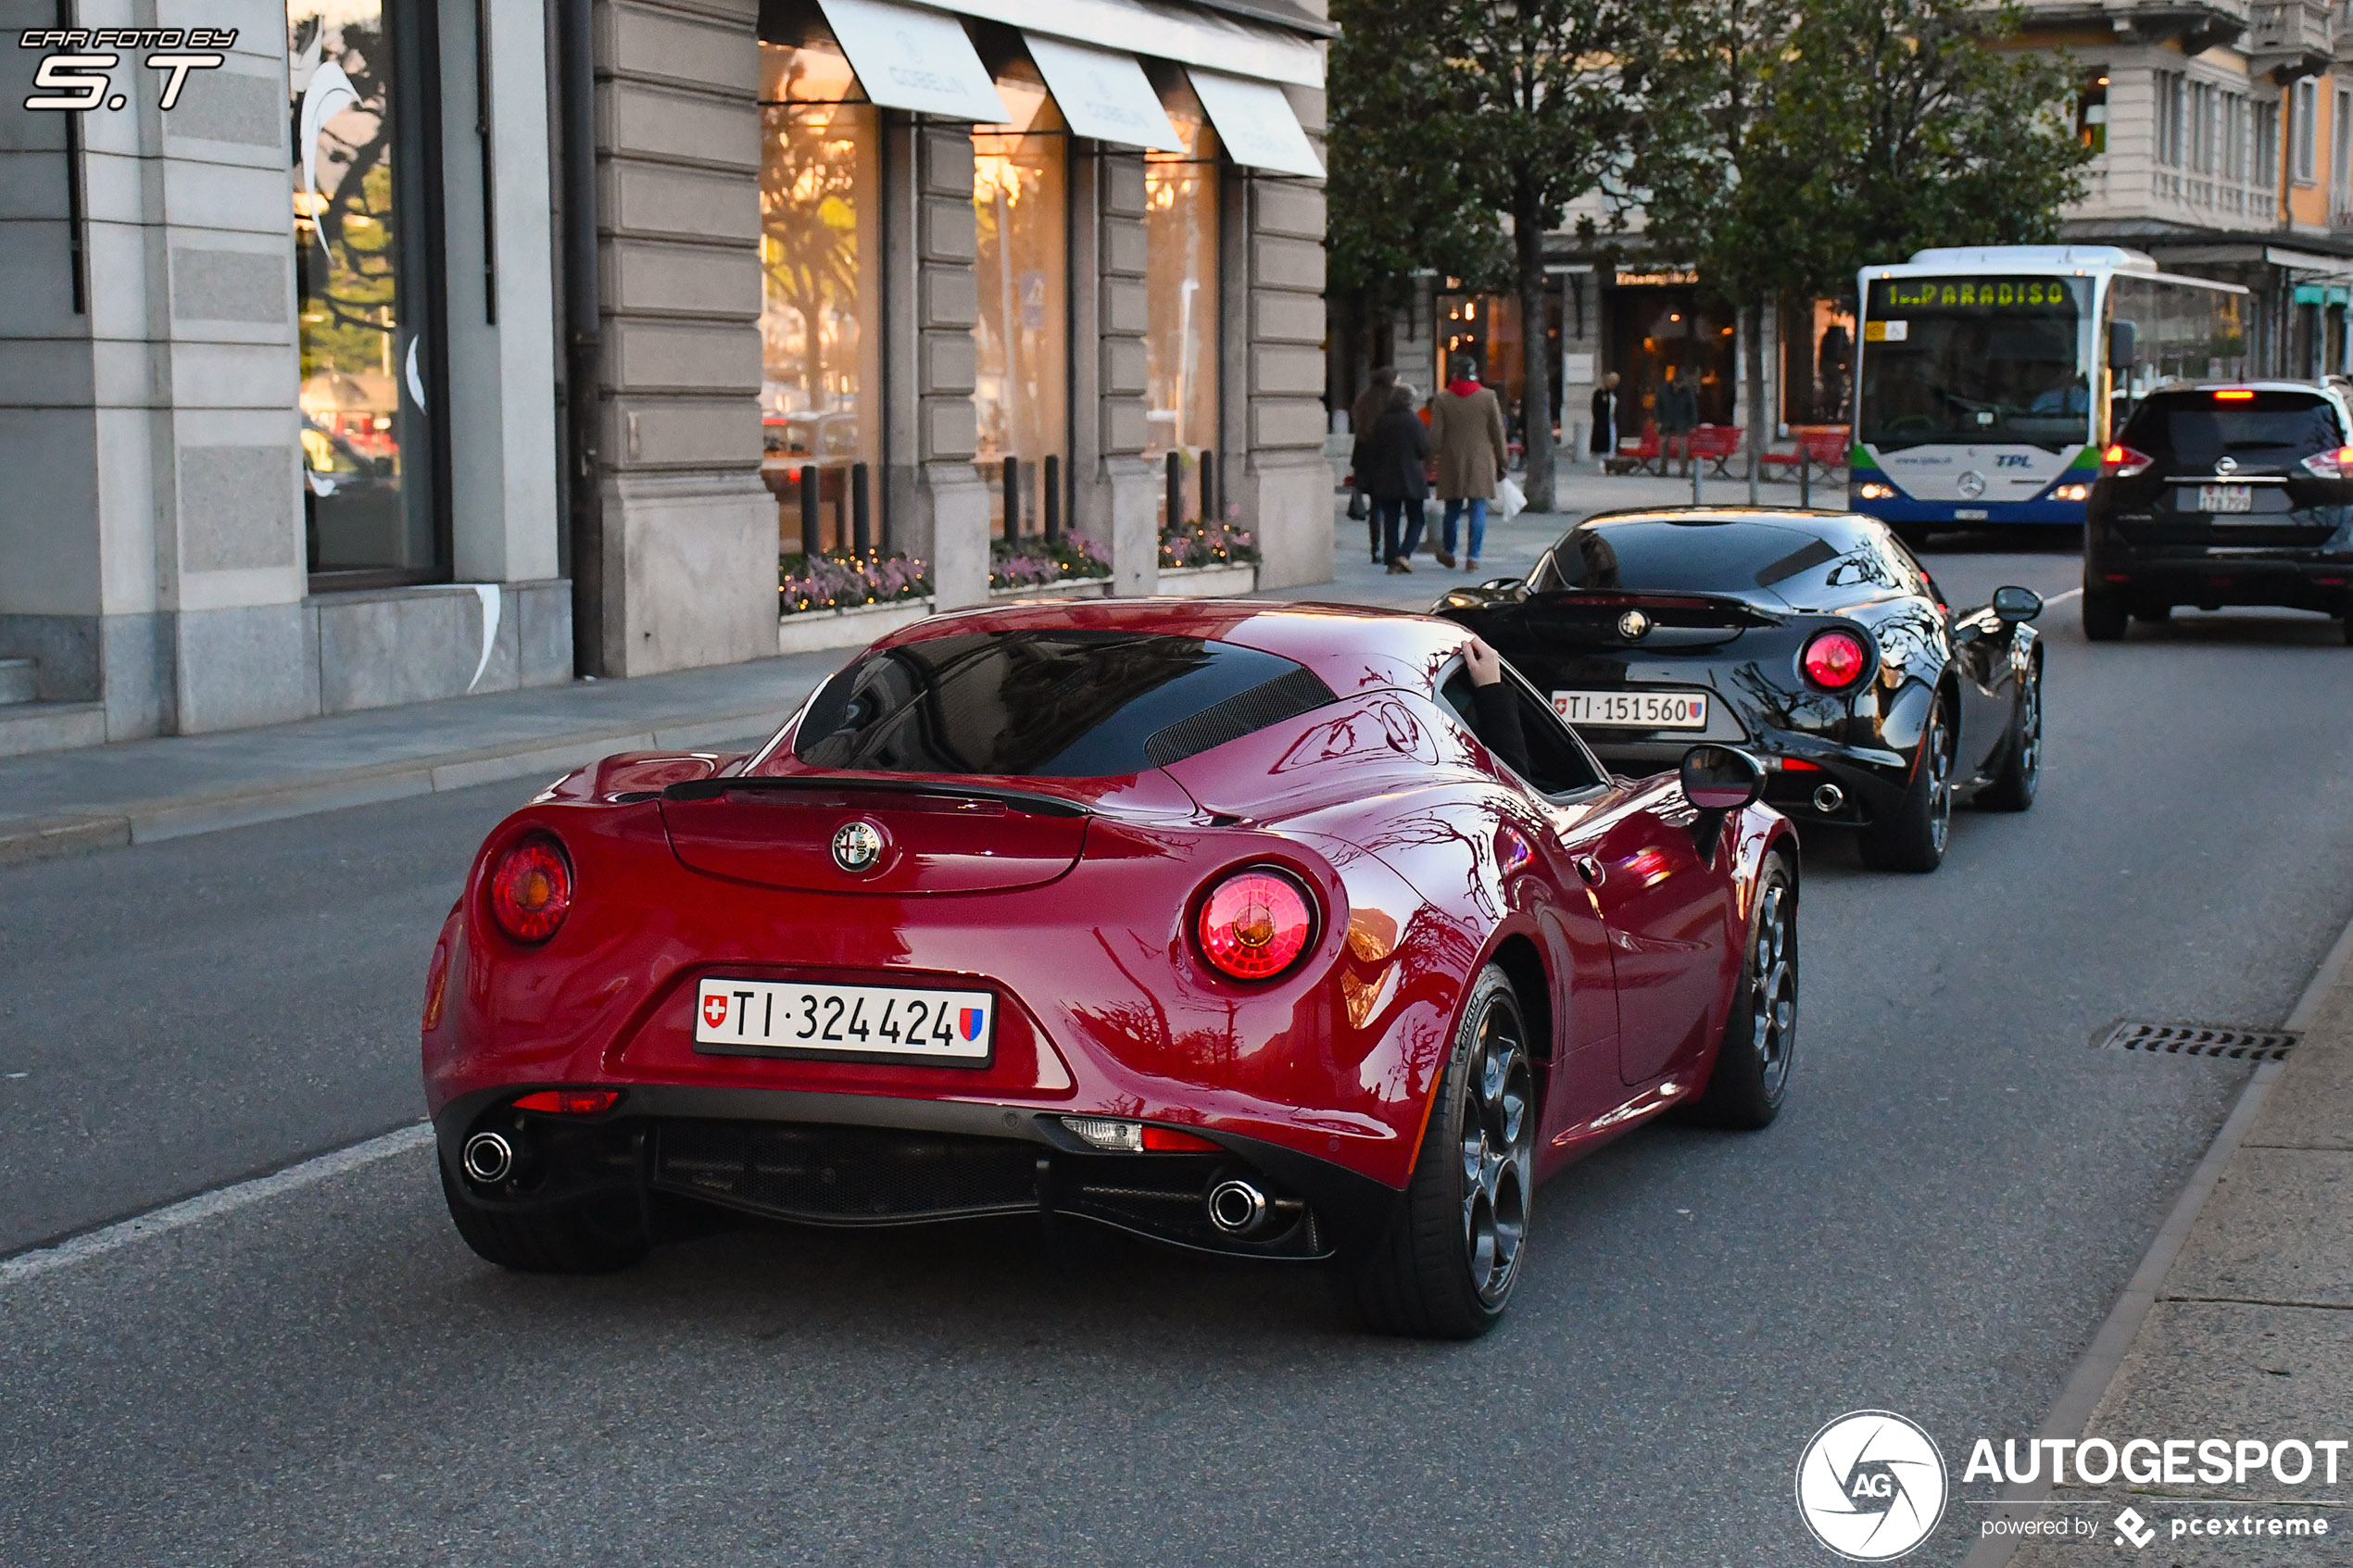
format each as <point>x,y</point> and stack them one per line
<point>2088,1384</point>
<point>151,821</point>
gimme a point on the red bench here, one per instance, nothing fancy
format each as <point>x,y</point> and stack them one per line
<point>1821,447</point>
<point>1651,452</point>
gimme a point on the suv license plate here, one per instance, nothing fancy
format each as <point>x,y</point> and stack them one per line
<point>1633,710</point>
<point>762,1018</point>
<point>2226,497</point>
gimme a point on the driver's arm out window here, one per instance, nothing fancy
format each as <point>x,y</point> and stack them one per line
<point>1557,763</point>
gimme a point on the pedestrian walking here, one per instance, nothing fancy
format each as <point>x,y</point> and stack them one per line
<point>1394,471</point>
<point>1603,441</point>
<point>1466,427</point>
<point>1678,417</point>
<point>1371,404</point>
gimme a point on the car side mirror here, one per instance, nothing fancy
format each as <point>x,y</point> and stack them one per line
<point>2016,604</point>
<point>1721,778</point>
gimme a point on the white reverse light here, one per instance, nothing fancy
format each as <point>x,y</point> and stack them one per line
<point>1103,1133</point>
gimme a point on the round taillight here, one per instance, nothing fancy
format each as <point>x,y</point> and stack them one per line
<point>1835,660</point>
<point>531,890</point>
<point>1254,924</point>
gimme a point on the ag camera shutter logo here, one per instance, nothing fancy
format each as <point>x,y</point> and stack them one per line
<point>1872,1485</point>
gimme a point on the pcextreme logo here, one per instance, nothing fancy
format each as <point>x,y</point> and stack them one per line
<point>1872,1485</point>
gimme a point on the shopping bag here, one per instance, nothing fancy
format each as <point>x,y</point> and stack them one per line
<point>1357,508</point>
<point>1510,500</point>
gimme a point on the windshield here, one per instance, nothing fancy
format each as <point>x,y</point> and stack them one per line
<point>1053,704</point>
<point>1954,360</point>
<point>1724,556</point>
<point>2270,429</point>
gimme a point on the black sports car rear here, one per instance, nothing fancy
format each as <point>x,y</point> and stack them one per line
<point>2214,496</point>
<point>1814,639</point>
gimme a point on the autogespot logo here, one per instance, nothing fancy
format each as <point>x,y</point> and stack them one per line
<point>1872,1485</point>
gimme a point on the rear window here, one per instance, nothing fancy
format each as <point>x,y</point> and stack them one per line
<point>1726,556</point>
<point>2271,428</point>
<point>1049,704</point>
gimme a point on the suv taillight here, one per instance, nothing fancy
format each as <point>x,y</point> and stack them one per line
<point>2336,464</point>
<point>2120,461</point>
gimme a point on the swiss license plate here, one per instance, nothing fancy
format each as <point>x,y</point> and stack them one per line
<point>1970,514</point>
<point>2226,497</point>
<point>1633,710</point>
<point>762,1018</point>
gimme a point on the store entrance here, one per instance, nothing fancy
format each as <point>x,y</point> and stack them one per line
<point>1652,328</point>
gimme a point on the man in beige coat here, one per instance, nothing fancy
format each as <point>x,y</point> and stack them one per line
<point>1466,431</point>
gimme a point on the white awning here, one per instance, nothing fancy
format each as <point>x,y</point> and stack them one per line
<point>1165,31</point>
<point>1102,93</point>
<point>907,57</point>
<point>1255,122</point>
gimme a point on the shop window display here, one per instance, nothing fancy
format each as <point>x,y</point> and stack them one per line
<point>1180,341</point>
<point>367,371</point>
<point>821,266</point>
<point>1023,339</point>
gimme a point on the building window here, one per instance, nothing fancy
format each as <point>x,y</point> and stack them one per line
<point>1818,362</point>
<point>2091,113</point>
<point>2306,129</point>
<point>2267,144</point>
<point>820,269</point>
<point>370,362</point>
<point>1180,281</point>
<point>1023,342</point>
<point>2341,158</point>
<point>2170,104</point>
<point>2234,137</point>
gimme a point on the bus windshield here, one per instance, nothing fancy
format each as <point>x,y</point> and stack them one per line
<point>1949,360</point>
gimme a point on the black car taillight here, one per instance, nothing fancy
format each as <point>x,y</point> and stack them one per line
<point>2120,461</point>
<point>1835,660</point>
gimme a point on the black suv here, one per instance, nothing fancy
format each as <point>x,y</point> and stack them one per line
<point>2214,496</point>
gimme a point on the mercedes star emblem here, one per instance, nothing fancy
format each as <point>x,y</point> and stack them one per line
<point>1633,625</point>
<point>2226,465</point>
<point>857,847</point>
<point>1971,484</point>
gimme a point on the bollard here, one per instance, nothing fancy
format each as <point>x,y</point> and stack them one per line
<point>1176,491</point>
<point>862,518</point>
<point>812,546</point>
<point>1692,462</point>
<point>1013,498</point>
<point>1805,478</point>
<point>1209,512</point>
<point>1050,480</point>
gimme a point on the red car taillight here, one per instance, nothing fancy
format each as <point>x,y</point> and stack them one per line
<point>531,890</point>
<point>2120,461</point>
<point>2330,465</point>
<point>1835,660</point>
<point>1254,924</point>
<point>569,1102</point>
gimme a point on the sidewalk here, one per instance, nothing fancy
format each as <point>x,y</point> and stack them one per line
<point>2250,1334</point>
<point>135,792</point>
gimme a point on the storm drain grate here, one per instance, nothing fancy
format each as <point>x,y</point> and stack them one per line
<point>2228,1041</point>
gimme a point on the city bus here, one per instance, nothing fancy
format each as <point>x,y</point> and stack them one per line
<point>1990,377</point>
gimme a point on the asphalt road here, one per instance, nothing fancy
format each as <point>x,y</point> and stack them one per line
<point>1936,1225</point>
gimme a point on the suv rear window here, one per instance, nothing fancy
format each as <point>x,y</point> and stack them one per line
<point>2271,429</point>
<point>1049,704</point>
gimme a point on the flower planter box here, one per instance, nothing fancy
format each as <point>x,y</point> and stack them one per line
<point>809,630</point>
<point>1231,580</point>
<point>1068,588</point>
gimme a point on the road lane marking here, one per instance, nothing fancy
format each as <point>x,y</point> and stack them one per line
<point>209,1204</point>
<point>2061,599</point>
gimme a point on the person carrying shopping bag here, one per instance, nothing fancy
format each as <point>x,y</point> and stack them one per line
<point>1466,426</point>
<point>1392,471</point>
<point>1370,404</point>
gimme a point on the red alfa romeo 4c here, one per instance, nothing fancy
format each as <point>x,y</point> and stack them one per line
<point>1289,932</point>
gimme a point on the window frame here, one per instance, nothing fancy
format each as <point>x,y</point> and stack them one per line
<point>2304,104</point>
<point>1512,677</point>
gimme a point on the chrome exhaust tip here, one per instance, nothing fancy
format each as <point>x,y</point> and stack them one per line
<point>490,1159</point>
<point>1236,1207</point>
<point>1828,798</point>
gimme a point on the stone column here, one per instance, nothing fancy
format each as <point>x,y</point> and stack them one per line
<point>1130,484</point>
<point>952,500</point>
<point>690,530</point>
<point>1275,374</point>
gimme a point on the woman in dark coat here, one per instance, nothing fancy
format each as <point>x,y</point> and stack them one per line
<point>1371,404</point>
<point>1392,468</point>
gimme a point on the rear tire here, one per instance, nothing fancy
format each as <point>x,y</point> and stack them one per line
<point>1445,1267</point>
<point>1913,839</point>
<point>1751,1076</point>
<point>2104,616</point>
<point>2013,788</point>
<point>588,1238</point>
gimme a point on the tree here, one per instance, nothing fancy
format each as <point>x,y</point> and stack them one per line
<point>1455,118</point>
<point>1785,148</point>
